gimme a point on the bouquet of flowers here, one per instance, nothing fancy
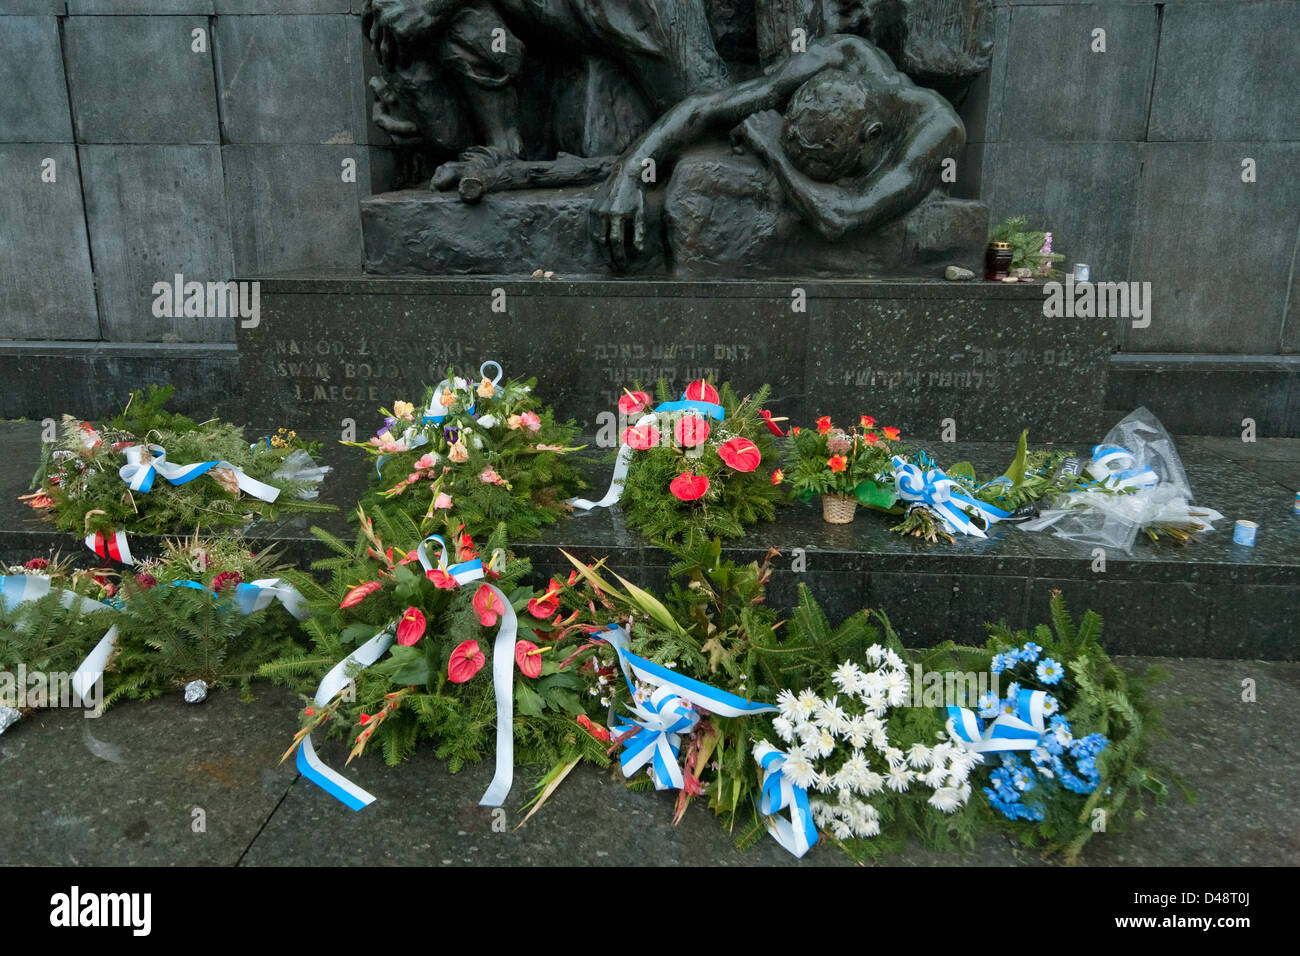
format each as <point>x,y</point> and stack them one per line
<point>696,466</point>
<point>1067,743</point>
<point>489,451</point>
<point>440,641</point>
<point>846,467</point>
<point>206,611</point>
<point>149,471</point>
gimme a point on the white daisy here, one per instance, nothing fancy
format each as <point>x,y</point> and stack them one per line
<point>880,738</point>
<point>947,799</point>
<point>799,769</point>
<point>807,704</point>
<point>895,756</point>
<point>846,676</point>
<point>899,778</point>
<point>935,776</point>
<point>871,783</point>
<point>825,744</point>
<point>893,661</point>
<point>784,729</point>
<point>919,756</point>
<point>788,704</point>
<point>874,654</point>
<point>841,830</point>
<point>871,829</point>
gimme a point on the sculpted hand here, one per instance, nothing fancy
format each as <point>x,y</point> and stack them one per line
<point>618,205</point>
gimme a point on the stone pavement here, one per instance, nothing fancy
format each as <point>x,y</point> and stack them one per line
<point>124,789</point>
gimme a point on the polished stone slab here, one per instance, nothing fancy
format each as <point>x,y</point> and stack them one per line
<point>917,353</point>
<point>1210,598</point>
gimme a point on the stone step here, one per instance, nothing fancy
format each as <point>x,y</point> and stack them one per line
<point>1211,598</point>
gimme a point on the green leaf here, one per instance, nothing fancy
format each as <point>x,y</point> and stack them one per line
<point>1016,470</point>
<point>876,495</point>
<point>405,665</point>
<point>528,701</point>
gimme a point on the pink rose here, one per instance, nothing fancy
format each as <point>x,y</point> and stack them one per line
<point>442,501</point>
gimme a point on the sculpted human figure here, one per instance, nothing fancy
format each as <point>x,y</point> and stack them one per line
<point>855,143</point>
<point>664,45</point>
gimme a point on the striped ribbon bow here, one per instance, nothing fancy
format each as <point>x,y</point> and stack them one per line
<point>139,473</point>
<point>797,833</point>
<point>658,724</point>
<point>1113,467</point>
<point>1020,731</point>
<point>946,498</point>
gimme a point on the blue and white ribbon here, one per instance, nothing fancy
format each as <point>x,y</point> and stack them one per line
<point>655,739</point>
<point>797,833</point>
<point>139,474</point>
<point>624,460</point>
<point>462,573</point>
<point>1020,731</point>
<point>340,675</point>
<point>16,589</point>
<point>1113,467</point>
<point>258,595</point>
<point>700,694</point>
<point>944,497</point>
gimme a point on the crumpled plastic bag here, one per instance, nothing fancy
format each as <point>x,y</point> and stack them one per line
<point>1137,455</point>
<point>299,467</point>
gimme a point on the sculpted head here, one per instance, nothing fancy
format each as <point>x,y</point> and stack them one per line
<point>831,124</point>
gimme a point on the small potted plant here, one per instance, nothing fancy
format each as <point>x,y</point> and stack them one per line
<point>844,466</point>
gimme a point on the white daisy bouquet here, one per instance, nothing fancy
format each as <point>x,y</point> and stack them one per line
<point>866,756</point>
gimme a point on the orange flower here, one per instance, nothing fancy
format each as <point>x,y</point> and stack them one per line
<point>778,476</point>
<point>892,434</point>
<point>871,438</point>
<point>867,421</point>
<point>837,462</point>
<point>823,424</point>
<point>597,731</point>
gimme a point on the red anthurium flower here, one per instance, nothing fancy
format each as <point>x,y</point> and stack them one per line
<point>778,476</point>
<point>795,430</point>
<point>467,552</point>
<point>529,658</point>
<point>359,594</point>
<point>740,454</point>
<point>892,433</point>
<point>867,421</point>
<point>641,437</point>
<point>702,391</point>
<point>487,606</point>
<point>441,579</point>
<point>632,402</point>
<point>771,422</point>
<point>837,462</point>
<point>691,430</point>
<point>688,487</point>
<point>823,424</point>
<point>597,731</point>
<point>411,628</point>
<point>466,661</point>
<point>546,605</point>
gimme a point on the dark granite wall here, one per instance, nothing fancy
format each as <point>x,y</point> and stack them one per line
<point>1133,158</point>
<point>228,161</point>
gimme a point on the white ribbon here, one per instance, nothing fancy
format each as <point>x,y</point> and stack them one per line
<point>619,478</point>
<point>340,675</point>
<point>139,474</point>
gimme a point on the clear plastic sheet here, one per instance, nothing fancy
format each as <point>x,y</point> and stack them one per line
<point>1137,455</point>
<point>299,467</point>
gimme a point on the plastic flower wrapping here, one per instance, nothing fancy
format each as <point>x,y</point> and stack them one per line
<point>207,609</point>
<point>486,449</point>
<point>701,464</point>
<point>449,608</point>
<point>150,471</point>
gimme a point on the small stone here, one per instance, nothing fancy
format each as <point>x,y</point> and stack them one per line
<point>537,273</point>
<point>1010,279</point>
<point>957,274</point>
<point>8,717</point>
<point>196,692</point>
<point>548,275</point>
